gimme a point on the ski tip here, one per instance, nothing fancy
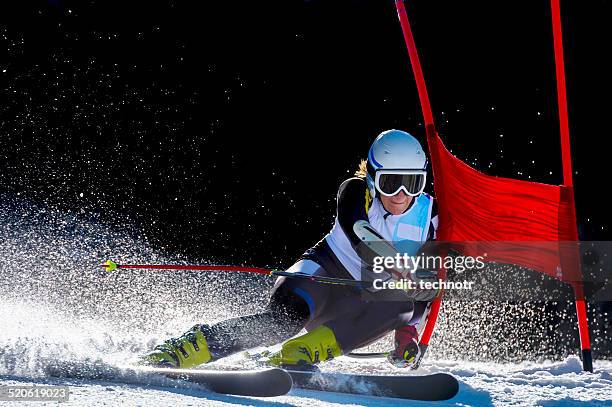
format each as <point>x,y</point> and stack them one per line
<point>109,265</point>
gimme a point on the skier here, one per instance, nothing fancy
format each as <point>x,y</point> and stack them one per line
<point>387,192</point>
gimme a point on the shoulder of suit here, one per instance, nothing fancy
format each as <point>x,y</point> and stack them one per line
<point>353,183</point>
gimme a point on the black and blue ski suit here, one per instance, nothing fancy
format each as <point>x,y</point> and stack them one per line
<point>355,317</point>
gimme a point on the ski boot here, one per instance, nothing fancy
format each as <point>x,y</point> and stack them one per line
<point>185,352</point>
<point>407,352</point>
<point>307,350</point>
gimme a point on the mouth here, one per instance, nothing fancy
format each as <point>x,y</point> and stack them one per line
<point>399,201</point>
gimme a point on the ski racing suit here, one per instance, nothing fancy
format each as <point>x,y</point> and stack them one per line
<point>354,319</point>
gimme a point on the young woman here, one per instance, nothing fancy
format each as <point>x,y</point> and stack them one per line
<point>387,192</point>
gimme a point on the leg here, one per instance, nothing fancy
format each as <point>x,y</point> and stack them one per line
<point>369,321</point>
<point>358,324</point>
<point>284,317</point>
<point>347,319</point>
<point>291,304</point>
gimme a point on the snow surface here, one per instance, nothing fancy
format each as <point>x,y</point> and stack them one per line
<point>481,384</point>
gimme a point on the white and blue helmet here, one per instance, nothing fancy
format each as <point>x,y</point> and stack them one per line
<point>396,161</point>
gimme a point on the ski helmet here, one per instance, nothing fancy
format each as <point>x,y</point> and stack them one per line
<point>396,161</point>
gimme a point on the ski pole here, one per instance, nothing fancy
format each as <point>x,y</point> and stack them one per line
<point>110,265</point>
<point>368,355</point>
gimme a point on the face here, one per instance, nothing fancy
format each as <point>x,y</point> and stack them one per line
<point>396,204</point>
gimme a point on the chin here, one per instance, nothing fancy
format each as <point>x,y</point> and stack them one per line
<point>399,208</point>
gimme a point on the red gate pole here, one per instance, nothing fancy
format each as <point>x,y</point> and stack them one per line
<point>566,158</point>
<point>431,133</point>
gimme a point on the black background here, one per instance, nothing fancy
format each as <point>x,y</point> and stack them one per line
<point>224,128</point>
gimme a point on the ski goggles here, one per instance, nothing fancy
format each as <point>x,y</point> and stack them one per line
<point>391,182</point>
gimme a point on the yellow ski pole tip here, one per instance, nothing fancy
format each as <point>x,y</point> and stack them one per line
<point>110,265</point>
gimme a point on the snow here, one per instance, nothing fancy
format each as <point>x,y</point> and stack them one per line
<point>527,384</point>
<point>481,384</point>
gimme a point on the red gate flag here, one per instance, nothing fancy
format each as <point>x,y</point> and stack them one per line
<point>528,220</point>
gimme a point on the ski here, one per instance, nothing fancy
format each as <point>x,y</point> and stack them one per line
<point>256,383</point>
<point>268,382</point>
<point>438,386</point>
<point>277,382</point>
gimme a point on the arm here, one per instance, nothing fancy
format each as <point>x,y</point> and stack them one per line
<point>351,206</point>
